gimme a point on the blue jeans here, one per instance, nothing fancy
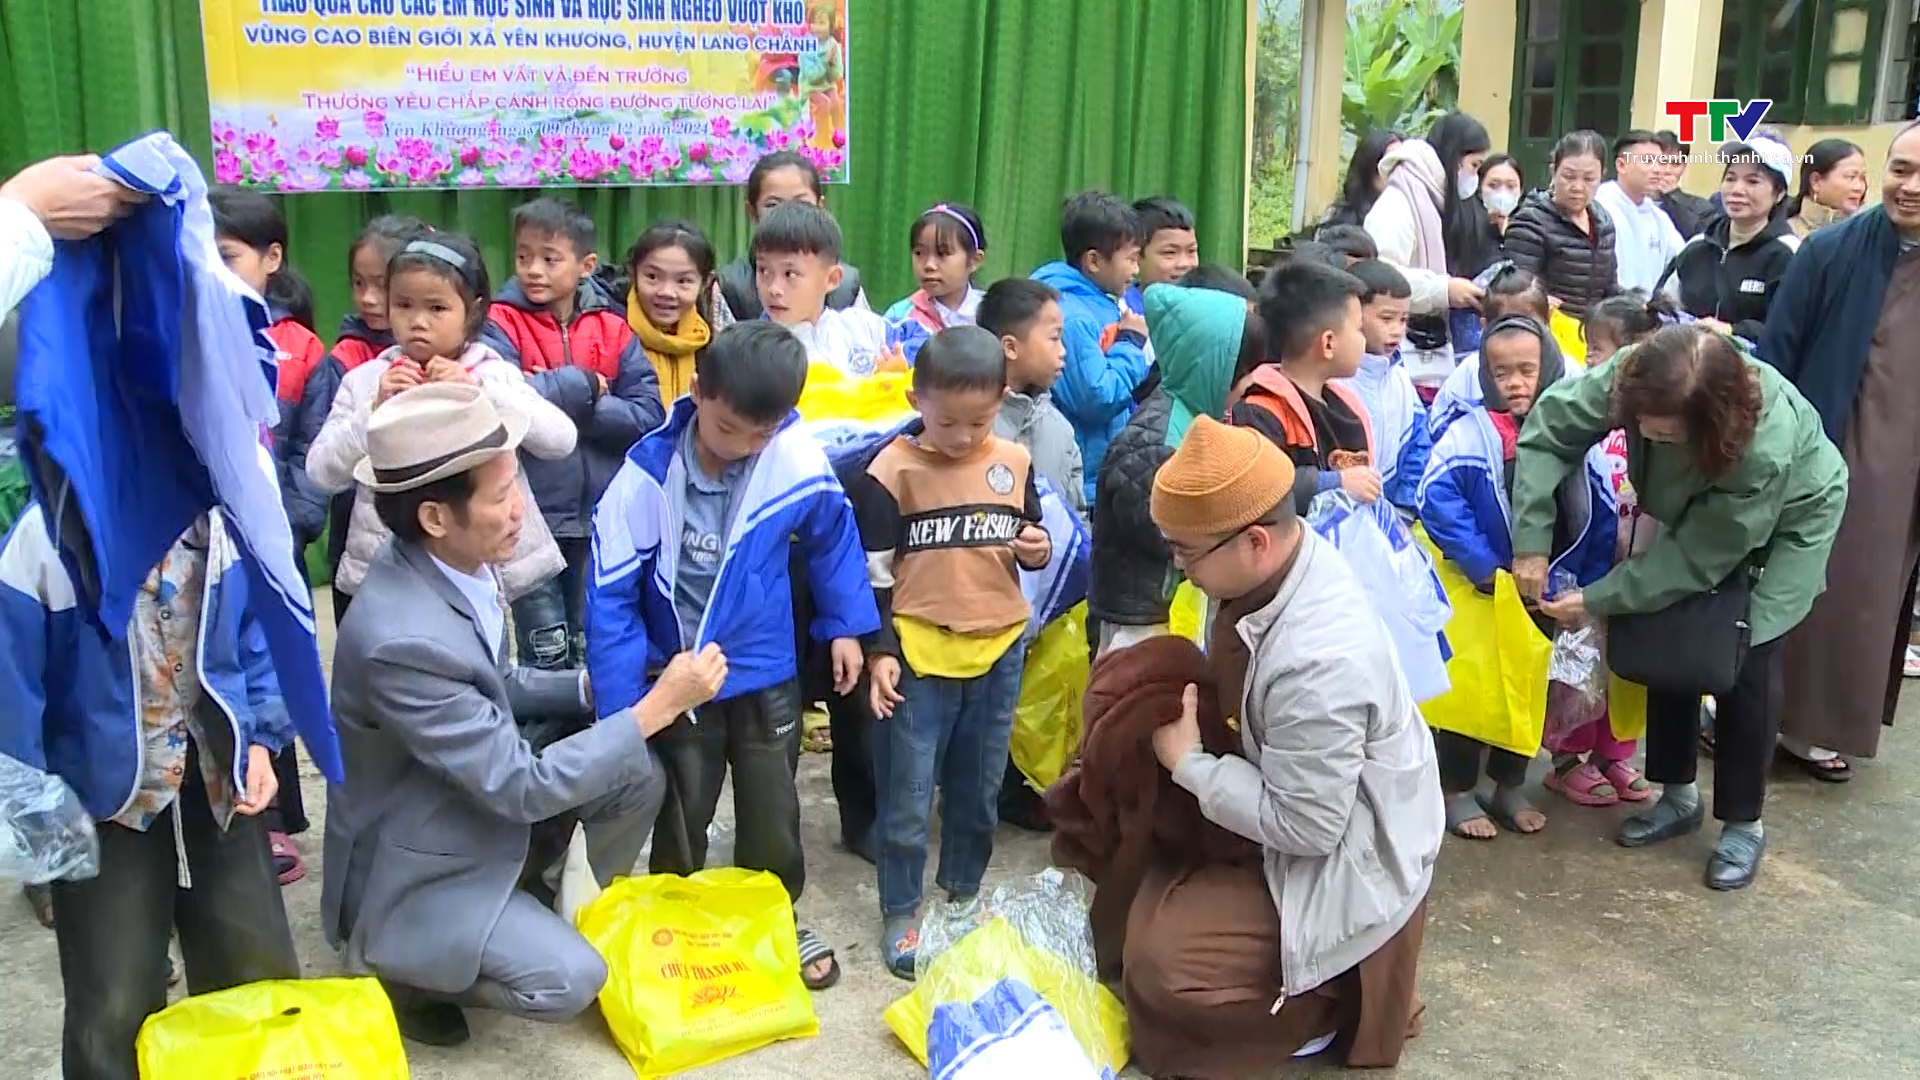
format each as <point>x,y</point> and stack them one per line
<point>952,732</point>
<point>549,621</point>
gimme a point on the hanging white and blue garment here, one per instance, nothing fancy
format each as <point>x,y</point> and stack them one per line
<point>145,390</point>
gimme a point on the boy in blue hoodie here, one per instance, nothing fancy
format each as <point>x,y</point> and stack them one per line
<point>1106,345</point>
<point>1399,420</point>
<point>1465,504</point>
<point>690,547</point>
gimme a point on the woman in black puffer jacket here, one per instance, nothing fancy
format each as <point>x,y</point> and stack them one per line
<point>1561,236</point>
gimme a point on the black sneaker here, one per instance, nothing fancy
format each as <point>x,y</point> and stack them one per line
<point>425,1020</point>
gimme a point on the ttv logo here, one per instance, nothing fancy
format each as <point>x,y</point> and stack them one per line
<point>1722,115</point>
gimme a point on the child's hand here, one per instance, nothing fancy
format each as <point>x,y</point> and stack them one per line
<point>441,369</point>
<point>884,671</point>
<point>894,359</point>
<point>847,660</point>
<point>403,376</point>
<point>1361,482</point>
<point>1134,322</point>
<point>1032,548</point>
<point>1568,608</point>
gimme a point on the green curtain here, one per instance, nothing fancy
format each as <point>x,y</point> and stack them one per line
<point>1009,105</point>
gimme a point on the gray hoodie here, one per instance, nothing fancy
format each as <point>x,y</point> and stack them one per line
<point>1032,421</point>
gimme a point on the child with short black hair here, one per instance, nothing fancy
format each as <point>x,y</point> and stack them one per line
<point>1300,399</point>
<point>796,265</point>
<point>1169,250</point>
<point>1106,344</point>
<point>1351,241</point>
<point>1025,315</point>
<point>1399,419</point>
<point>573,342</point>
<point>691,547</point>
<point>948,515</point>
<point>780,177</point>
<point>1623,320</point>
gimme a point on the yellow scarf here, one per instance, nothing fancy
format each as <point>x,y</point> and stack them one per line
<point>671,353</point>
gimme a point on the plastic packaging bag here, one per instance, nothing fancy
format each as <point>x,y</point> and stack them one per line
<point>291,1028</point>
<point>699,969</point>
<point>45,834</point>
<point>1007,1031</point>
<point>1499,664</point>
<point>1399,579</point>
<point>1046,722</point>
<point>1035,931</point>
<point>1188,616</point>
<point>1576,673</point>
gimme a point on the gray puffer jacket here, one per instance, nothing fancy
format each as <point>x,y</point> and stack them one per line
<point>1032,421</point>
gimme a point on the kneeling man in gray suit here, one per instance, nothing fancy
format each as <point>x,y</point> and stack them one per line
<point>427,839</point>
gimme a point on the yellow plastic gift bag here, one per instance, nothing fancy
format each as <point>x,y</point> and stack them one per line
<point>1188,618</point>
<point>1571,337</point>
<point>879,399</point>
<point>699,968</point>
<point>294,1028</point>
<point>999,951</point>
<point>1626,708</point>
<point>1499,664</point>
<point>1046,722</point>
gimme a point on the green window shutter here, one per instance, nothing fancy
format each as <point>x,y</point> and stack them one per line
<point>1844,65</point>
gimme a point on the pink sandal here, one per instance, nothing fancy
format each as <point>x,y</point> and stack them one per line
<point>1583,785</point>
<point>1623,777</point>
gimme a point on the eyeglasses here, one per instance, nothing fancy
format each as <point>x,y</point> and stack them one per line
<point>1185,556</point>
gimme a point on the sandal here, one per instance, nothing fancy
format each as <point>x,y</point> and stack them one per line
<point>1464,808</point>
<point>1505,806</point>
<point>900,946</point>
<point>288,866</point>
<point>1833,770</point>
<point>1581,784</point>
<point>1627,782</point>
<point>812,951</point>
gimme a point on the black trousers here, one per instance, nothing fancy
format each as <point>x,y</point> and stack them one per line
<point>288,814</point>
<point>1460,759</point>
<point>849,718</point>
<point>757,735</point>
<point>113,930</point>
<point>1745,725</point>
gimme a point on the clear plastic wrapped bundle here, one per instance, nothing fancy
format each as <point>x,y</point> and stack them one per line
<point>45,834</point>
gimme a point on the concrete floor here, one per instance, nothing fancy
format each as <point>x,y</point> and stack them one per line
<point>1553,955</point>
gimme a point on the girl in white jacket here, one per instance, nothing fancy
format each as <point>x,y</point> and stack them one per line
<point>436,302</point>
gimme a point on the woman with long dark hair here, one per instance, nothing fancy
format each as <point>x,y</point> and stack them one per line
<point>1833,185</point>
<point>1364,180</point>
<point>1425,224</point>
<point>1731,466</point>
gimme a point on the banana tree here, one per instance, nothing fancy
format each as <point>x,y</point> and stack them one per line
<point>1402,64</point>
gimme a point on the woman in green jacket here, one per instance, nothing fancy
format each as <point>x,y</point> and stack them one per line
<point>1732,461</point>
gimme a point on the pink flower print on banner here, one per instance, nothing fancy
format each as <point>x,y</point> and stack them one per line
<point>375,123</point>
<point>652,145</point>
<point>737,172</point>
<point>326,128</point>
<point>583,164</point>
<point>356,180</point>
<point>356,156</point>
<point>493,157</point>
<point>226,167</point>
<point>616,142</point>
<point>721,127</point>
<point>839,139</point>
<point>223,132</point>
<point>306,178</point>
<point>553,143</point>
<point>471,178</point>
<point>391,164</point>
<point>697,152</point>
<point>548,163</point>
<point>835,159</point>
<point>517,174</point>
<point>777,139</point>
<point>259,142</point>
<point>699,174</point>
<point>469,156</point>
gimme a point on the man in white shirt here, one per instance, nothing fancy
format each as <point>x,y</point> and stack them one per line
<point>1645,240</point>
<point>59,197</point>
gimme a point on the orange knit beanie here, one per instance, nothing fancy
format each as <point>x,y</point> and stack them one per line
<point>1221,479</point>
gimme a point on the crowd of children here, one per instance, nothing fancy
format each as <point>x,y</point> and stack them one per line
<point>680,505</point>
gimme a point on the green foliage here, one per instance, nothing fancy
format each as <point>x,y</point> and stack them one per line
<point>1401,70</point>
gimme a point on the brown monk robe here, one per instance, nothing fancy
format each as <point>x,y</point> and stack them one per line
<point>1843,664</point>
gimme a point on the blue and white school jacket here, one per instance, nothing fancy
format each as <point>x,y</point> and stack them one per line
<point>1459,395</point>
<point>1400,437</point>
<point>789,493</point>
<point>68,692</point>
<point>1463,504</point>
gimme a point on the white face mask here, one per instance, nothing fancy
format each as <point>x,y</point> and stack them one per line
<point>1466,184</point>
<point>1502,201</point>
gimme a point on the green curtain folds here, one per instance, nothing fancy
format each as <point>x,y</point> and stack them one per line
<point>1009,105</point>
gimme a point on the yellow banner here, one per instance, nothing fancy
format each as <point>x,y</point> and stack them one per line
<point>315,95</point>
